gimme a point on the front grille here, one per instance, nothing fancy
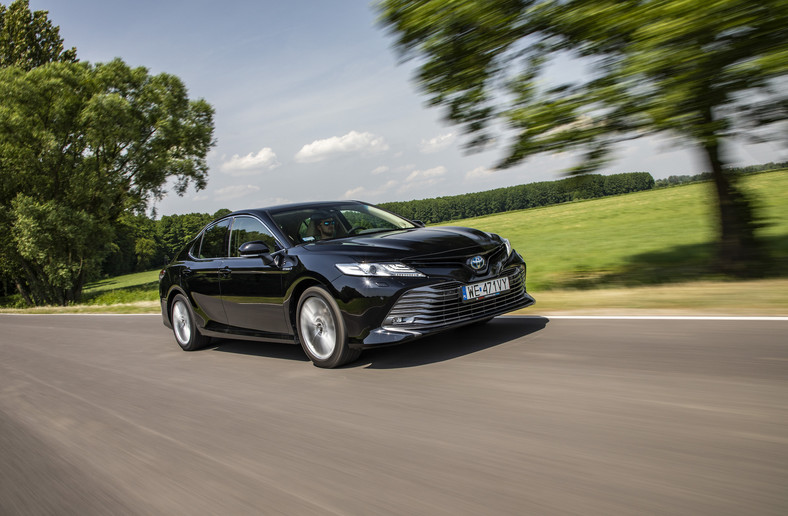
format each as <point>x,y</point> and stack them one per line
<point>435,306</point>
<point>493,261</point>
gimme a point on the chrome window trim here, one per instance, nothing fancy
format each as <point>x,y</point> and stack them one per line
<point>254,217</point>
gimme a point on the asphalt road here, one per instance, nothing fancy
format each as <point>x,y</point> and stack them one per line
<point>106,415</point>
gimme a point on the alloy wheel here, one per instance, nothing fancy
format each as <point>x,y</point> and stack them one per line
<point>318,328</point>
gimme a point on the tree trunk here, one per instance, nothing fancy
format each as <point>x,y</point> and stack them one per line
<point>74,294</point>
<point>23,293</point>
<point>739,252</point>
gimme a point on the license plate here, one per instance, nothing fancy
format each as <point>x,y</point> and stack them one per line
<point>485,289</point>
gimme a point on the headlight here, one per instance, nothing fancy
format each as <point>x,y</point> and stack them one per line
<point>505,242</point>
<point>508,246</point>
<point>378,269</point>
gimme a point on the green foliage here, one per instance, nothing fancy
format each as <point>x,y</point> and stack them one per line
<point>56,246</point>
<point>706,71</point>
<point>141,242</point>
<point>617,184</point>
<point>174,231</point>
<point>28,39</point>
<point>651,66</point>
<point>82,146</point>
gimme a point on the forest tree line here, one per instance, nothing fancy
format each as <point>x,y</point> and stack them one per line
<point>520,197</point>
<point>547,193</point>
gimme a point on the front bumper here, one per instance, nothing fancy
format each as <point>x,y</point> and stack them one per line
<point>439,307</point>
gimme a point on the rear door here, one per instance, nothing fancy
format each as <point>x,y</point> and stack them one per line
<point>201,276</point>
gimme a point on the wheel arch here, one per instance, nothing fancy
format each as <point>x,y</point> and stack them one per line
<point>295,295</point>
<point>174,291</point>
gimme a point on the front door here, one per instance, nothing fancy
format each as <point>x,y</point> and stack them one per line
<point>252,292</point>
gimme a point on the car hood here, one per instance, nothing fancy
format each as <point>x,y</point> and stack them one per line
<point>410,244</point>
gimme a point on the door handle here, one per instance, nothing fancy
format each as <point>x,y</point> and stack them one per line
<point>225,271</point>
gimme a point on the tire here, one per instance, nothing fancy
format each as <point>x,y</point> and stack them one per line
<point>321,330</point>
<point>184,326</point>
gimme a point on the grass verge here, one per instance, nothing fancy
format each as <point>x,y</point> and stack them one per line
<point>742,298</point>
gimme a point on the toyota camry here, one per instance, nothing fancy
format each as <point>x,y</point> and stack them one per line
<point>336,278</point>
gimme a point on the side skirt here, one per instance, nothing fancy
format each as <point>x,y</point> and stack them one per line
<point>221,331</point>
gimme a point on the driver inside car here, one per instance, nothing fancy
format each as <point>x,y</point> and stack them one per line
<point>326,228</point>
<point>322,226</point>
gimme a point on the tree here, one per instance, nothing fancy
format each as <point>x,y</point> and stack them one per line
<point>705,71</point>
<point>175,231</point>
<point>29,39</point>
<point>80,145</point>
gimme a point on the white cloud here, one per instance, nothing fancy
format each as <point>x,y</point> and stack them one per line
<point>251,163</point>
<point>363,193</point>
<point>421,175</point>
<point>353,141</point>
<point>424,178</point>
<point>479,173</point>
<point>380,170</point>
<point>235,192</point>
<point>354,192</point>
<point>277,200</point>
<point>438,143</point>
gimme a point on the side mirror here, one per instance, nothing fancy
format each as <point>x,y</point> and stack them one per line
<point>256,249</point>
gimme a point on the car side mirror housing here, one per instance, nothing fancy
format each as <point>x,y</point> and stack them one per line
<point>256,249</point>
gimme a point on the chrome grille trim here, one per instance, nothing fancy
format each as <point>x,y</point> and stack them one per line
<point>436,306</point>
<point>492,257</point>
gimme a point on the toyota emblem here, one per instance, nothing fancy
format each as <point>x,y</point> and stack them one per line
<point>477,263</point>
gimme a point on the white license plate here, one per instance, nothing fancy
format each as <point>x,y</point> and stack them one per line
<point>485,289</point>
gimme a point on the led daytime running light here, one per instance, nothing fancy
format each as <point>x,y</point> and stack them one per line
<point>379,270</point>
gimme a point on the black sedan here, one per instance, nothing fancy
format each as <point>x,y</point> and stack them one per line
<point>336,277</point>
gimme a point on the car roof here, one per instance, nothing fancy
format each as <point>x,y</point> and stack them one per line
<point>293,206</point>
<point>267,212</point>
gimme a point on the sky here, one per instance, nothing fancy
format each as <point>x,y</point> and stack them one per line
<point>313,103</point>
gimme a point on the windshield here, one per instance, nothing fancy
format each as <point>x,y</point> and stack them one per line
<point>327,222</point>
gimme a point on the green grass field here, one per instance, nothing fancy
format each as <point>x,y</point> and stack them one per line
<point>646,238</point>
<point>130,288</point>
<point>647,250</point>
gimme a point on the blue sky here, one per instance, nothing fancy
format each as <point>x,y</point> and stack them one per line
<point>311,103</point>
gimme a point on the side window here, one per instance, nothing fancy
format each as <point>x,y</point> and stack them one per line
<point>214,241</point>
<point>249,229</point>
